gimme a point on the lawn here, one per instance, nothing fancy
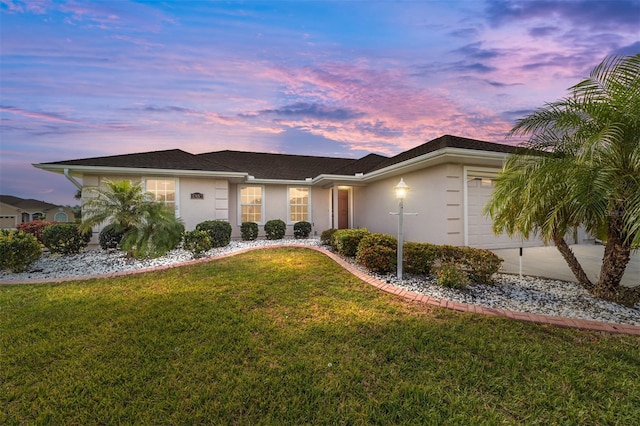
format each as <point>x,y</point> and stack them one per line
<point>285,336</point>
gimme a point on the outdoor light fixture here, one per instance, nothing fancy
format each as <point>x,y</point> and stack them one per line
<point>401,192</point>
<point>401,189</point>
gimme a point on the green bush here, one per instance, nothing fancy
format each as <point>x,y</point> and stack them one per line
<point>451,275</point>
<point>18,250</point>
<point>481,264</point>
<point>110,237</point>
<point>275,229</point>
<point>419,257</point>
<point>249,231</point>
<point>219,231</point>
<point>301,229</point>
<point>35,228</point>
<point>378,254</point>
<point>346,241</point>
<point>197,242</point>
<point>327,236</point>
<point>65,238</point>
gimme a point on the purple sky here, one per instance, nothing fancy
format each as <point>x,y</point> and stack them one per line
<point>83,79</point>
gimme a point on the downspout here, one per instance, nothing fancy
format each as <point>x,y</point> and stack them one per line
<point>71,179</point>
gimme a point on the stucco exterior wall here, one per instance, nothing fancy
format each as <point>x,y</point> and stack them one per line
<point>213,206</point>
<point>435,195</point>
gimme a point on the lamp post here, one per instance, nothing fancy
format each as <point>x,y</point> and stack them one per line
<point>401,191</point>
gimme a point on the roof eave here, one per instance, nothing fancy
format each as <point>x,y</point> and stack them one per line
<point>60,168</point>
<point>433,158</point>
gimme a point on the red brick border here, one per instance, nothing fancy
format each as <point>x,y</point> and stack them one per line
<point>581,324</point>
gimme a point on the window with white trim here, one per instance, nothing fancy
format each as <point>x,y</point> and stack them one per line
<point>61,217</point>
<point>251,203</point>
<point>298,204</point>
<point>163,191</point>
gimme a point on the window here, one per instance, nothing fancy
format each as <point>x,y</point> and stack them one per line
<point>163,191</point>
<point>251,201</point>
<point>298,204</point>
<point>61,217</point>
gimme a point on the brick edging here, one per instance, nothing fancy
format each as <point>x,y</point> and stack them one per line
<point>581,324</point>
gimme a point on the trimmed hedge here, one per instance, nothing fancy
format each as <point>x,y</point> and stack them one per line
<point>249,231</point>
<point>301,229</point>
<point>65,238</point>
<point>327,236</point>
<point>18,250</point>
<point>275,229</point>
<point>378,253</point>
<point>419,258</point>
<point>346,241</point>
<point>219,231</point>
<point>197,242</point>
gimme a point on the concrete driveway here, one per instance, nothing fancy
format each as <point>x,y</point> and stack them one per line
<point>548,262</point>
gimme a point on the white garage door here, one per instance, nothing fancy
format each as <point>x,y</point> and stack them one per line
<point>479,227</point>
<point>7,222</point>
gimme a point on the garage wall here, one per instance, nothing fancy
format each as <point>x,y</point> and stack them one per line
<point>480,184</point>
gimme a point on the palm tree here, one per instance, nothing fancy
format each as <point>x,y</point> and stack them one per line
<point>118,205</point>
<point>580,166</point>
<point>157,232</point>
<point>149,228</point>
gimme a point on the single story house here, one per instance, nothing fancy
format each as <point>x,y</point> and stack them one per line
<point>16,210</point>
<point>450,180</point>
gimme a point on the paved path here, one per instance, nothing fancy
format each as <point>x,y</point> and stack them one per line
<point>415,297</point>
<point>548,262</point>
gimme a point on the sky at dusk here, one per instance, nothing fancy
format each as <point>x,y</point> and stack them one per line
<point>336,78</point>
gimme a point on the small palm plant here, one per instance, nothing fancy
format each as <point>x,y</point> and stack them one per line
<point>150,229</point>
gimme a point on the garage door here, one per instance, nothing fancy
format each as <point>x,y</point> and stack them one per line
<point>7,222</point>
<point>479,227</point>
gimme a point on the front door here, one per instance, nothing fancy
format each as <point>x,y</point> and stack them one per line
<point>343,208</point>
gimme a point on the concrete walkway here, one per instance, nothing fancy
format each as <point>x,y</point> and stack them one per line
<point>548,262</point>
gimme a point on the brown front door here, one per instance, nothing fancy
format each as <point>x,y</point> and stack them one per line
<point>343,208</point>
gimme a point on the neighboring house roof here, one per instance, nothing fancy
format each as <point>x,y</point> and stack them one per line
<point>277,166</point>
<point>267,166</point>
<point>172,159</point>
<point>27,204</point>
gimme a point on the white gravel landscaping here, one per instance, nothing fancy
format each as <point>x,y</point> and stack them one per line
<point>526,294</point>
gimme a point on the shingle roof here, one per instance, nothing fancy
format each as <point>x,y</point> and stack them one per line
<point>446,141</point>
<point>173,159</point>
<point>277,166</point>
<point>26,204</point>
<point>363,165</point>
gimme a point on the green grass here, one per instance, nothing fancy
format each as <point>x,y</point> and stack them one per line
<point>285,336</point>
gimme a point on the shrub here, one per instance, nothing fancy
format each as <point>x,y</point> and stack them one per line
<point>419,257</point>
<point>481,264</point>
<point>18,250</point>
<point>451,275</point>
<point>219,231</point>
<point>249,231</point>
<point>35,228</point>
<point>346,241</point>
<point>275,229</point>
<point>327,236</point>
<point>197,242</point>
<point>110,237</point>
<point>301,229</point>
<point>65,238</point>
<point>378,252</point>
